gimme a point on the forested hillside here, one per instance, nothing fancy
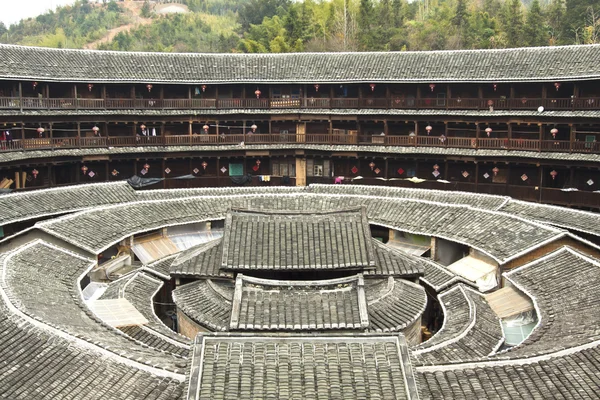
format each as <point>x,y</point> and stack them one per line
<point>326,25</point>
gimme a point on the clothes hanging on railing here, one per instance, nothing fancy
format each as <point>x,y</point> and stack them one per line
<point>264,178</point>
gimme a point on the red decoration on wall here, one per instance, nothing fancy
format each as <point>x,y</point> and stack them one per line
<point>35,173</point>
<point>84,169</point>
<point>354,170</point>
<point>255,168</point>
<point>204,164</point>
<point>400,171</point>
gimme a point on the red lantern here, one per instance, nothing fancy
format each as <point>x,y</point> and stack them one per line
<point>95,129</point>
<point>488,131</point>
<point>146,167</point>
<point>40,130</point>
<point>372,85</point>
<point>372,165</point>
<point>84,169</point>
<point>253,127</point>
<point>203,88</point>
<point>436,167</point>
<point>257,162</point>
<point>428,128</point>
<point>432,86</point>
<point>35,173</point>
<point>554,131</point>
<point>257,92</point>
<point>204,164</point>
<point>557,85</point>
<point>142,127</point>
<point>205,127</point>
<point>553,174</point>
<point>316,88</point>
<point>495,171</point>
<point>34,84</point>
<point>149,87</point>
<point>90,86</point>
<point>495,87</point>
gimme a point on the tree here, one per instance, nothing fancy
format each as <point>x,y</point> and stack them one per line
<point>574,20</point>
<point>365,15</point>
<point>146,10</point>
<point>536,33</point>
<point>513,28</point>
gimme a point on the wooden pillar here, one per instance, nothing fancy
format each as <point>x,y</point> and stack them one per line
<point>189,92</point>
<point>218,171</point>
<point>509,133</point>
<point>544,91</point>
<point>300,171</point>
<point>22,131</point>
<point>572,177</point>
<point>106,129</point>
<point>132,92</point>
<point>385,128</point>
<point>217,126</point>
<point>331,127</point>
<point>107,174</point>
<point>190,128</point>
<point>162,92</point>
<point>512,91</point>
<point>572,135</point>
<point>78,130</point>
<point>446,130</point>
<point>51,177</point>
<point>103,92</point>
<point>21,95</point>
<point>51,133</point>
<point>479,92</point>
<point>164,176</point>
<point>476,175</point>
<point>386,169</point>
<point>541,136</point>
<point>507,178</point>
<point>446,170</point>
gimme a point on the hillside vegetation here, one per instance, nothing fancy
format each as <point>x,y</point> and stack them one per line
<point>326,25</point>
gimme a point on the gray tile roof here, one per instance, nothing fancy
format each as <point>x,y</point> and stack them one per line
<point>297,240</point>
<point>206,302</point>
<point>303,367</point>
<point>506,65</point>
<point>461,342</point>
<point>201,261</point>
<point>439,277</point>
<point>582,221</point>
<point>387,150</point>
<point>265,304</point>
<point>161,267</point>
<point>140,291</point>
<point>547,115</point>
<point>564,288</point>
<point>43,282</point>
<point>38,364</point>
<point>393,304</point>
<point>392,262</point>
<point>501,236</point>
<point>35,204</point>
<point>571,376</point>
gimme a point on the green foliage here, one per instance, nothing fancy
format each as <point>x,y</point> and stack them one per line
<point>173,33</point>
<point>261,26</point>
<point>69,26</point>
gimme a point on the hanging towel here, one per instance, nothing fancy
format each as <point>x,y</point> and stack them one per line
<point>153,131</point>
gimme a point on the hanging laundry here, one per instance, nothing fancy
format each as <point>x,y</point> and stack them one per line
<point>153,131</point>
<point>197,91</point>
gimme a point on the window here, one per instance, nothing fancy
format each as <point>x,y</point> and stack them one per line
<point>284,168</point>
<point>276,93</point>
<point>236,169</point>
<point>295,93</point>
<point>318,167</point>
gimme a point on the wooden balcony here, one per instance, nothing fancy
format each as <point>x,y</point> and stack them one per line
<point>394,102</point>
<point>313,138</point>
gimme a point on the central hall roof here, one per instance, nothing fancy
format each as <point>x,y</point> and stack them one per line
<point>265,304</point>
<point>297,240</point>
<point>505,65</point>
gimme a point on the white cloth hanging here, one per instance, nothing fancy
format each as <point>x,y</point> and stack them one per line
<point>153,131</point>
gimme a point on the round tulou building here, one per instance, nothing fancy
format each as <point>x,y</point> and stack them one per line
<point>412,225</point>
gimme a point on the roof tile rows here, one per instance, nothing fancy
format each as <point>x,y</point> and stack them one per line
<point>41,365</point>
<point>42,282</point>
<point>266,304</point>
<point>278,239</point>
<point>202,261</point>
<point>523,64</point>
<point>480,338</point>
<point>499,235</point>
<point>392,262</point>
<point>326,367</point>
<point>563,286</point>
<point>207,302</point>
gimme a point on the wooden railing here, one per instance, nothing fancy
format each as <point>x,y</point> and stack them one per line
<point>311,138</point>
<point>592,103</point>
